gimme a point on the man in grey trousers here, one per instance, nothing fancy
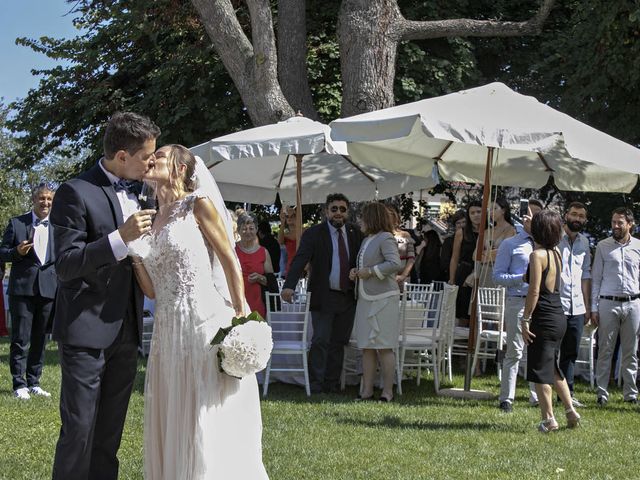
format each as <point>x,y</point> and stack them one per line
<point>615,304</point>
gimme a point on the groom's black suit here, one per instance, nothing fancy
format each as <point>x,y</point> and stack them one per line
<point>98,323</point>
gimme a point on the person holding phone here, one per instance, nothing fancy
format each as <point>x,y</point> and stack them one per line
<point>27,244</point>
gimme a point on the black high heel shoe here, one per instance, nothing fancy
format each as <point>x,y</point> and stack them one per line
<point>385,399</point>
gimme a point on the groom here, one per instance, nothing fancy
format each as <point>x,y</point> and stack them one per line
<point>98,311</point>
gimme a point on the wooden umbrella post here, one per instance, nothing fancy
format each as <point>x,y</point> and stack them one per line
<point>298,198</point>
<point>486,193</point>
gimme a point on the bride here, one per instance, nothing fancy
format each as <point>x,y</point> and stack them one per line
<point>199,423</point>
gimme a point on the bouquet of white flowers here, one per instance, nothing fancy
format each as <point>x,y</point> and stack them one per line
<point>245,346</point>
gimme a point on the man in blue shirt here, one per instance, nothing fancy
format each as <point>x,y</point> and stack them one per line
<point>509,269</point>
<point>575,288</point>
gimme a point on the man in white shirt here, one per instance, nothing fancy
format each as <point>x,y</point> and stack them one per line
<point>615,304</point>
<point>26,243</point>
<point>575,288</point>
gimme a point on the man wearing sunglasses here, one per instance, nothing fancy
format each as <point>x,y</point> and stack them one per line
<point>331,249</point>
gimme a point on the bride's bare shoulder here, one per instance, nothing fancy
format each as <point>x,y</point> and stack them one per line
<point>203,208</point>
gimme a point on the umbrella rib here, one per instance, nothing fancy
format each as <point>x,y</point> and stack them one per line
<point>544,162</point>
<point>369,177</point>
<point>284,167</point>
<point>439,156</point>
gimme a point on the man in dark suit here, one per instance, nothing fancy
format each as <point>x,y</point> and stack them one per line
<point>331,248</point>
<point>98,314</point>
<point>28,244</point>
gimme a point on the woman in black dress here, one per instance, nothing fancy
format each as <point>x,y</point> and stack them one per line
<point>461,266</point>
<point>544,322</point>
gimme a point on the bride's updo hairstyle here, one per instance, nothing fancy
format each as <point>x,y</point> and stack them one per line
<point>177,157</point>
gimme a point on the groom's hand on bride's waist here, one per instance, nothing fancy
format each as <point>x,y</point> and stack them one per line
<point>136,225</point>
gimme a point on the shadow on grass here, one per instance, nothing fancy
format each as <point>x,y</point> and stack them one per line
<point>390,421</point>
<point>423,396</point>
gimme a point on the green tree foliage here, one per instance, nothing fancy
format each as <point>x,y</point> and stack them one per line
<point>152,57</point>
<point>16,183</point>
<point>592,66</point>
<point>13,194</point>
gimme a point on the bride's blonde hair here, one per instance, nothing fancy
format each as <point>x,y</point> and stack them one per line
<point>179,156</point>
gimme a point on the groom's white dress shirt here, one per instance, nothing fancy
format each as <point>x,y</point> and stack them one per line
<point>129,205</point>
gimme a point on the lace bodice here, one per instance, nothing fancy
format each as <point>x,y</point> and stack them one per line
<point>179,260</point>
<point>186,275</point>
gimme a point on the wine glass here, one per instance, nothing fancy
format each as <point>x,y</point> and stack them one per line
<point>148,192</point>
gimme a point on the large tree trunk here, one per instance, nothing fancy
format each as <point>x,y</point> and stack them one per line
<point>368,35</point>
<point>369,32</point>
<point>253,66</point>
<point>292,56</point>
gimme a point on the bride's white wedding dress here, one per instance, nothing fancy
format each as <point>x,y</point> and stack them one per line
<point>199,423</point>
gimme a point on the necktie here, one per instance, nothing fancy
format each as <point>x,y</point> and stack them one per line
<point>41,222</point>
<point>123,185</point>
<point>344,262</point>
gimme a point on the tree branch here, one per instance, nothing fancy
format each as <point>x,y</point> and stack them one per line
<point>292,56</point>
<point>464,27</point>
<point>264,41</point>
<point>224,30</point>
<point>253,68</point>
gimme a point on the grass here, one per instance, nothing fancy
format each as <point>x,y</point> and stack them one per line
<point>420,436</point>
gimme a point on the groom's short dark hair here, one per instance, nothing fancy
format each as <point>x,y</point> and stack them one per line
<point>128,131</point>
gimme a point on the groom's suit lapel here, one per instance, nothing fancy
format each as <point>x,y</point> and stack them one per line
<point>101,180</point>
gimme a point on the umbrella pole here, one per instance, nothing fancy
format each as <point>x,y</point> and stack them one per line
<point>298,199</point>
<point>486,193</point>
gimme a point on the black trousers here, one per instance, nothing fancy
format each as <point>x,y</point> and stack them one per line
<point>95,391</point>
<point>570,347</point>
<point>331,332</point>
<point>30,316</point>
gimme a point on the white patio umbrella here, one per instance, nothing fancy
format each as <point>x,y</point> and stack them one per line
<point>532,141</point>
<point>297,160</point>
<point>490,135</point>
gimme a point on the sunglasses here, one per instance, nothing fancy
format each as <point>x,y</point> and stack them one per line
<point>335,209</point>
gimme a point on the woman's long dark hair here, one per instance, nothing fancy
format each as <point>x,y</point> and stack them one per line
<point>506,208</point>
<point>468,228</point>
<point>432,249</point>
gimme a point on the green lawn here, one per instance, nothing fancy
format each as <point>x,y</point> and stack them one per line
<point>420,436</point>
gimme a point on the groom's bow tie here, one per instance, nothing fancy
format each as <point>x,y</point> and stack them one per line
<point>123,185</point>
<point>41,222</point>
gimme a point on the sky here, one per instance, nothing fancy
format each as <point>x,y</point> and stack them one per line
<point>32,19</point>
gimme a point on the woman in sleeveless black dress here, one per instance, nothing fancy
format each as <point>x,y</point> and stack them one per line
<point>544,322</point>
<point>461,265</point>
